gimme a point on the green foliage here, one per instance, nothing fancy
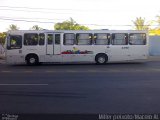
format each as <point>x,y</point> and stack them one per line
<point>140,24</point>
<point>13,27</point>
<point>69,25</point>
<point>156,30</point>
<point>36,27</point>
<point>3,37</point>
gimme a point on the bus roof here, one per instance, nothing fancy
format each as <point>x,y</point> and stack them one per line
<point>77,31</point>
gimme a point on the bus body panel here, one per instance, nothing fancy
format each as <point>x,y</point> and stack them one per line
<point>138,52</point>
<point>118,52</point>
<point>76,53</point>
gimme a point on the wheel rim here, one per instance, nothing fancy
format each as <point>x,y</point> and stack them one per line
<point>101,59</point>
<point>32,60</point>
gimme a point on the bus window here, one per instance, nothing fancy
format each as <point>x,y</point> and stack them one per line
<point>84,39</point>
<point>41,39</point>
<point>101,38</point>
<point>57,39</point>
<point>30,39</point>
<point>50,39</point>
<point>14,42</point>
<point>69,39</point>
<point>120,39</point>
<point>137,39</point>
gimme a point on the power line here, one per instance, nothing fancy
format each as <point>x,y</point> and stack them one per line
<point>41,8</point>
<point>21,20</point>
<point>30,18</point>
<point>25,20</point>
<point>33,11</point>
<point>36,21</point>
<point>47,10</point>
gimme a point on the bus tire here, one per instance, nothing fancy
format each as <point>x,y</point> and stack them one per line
<point>101,58</point>
<point>32,59</point>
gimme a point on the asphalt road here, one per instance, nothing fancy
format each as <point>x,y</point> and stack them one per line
<point>81,88</point>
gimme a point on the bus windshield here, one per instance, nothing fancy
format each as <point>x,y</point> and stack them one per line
<point>14,42</point>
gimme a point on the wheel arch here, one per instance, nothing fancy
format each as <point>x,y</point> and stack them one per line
<point>32,54</point>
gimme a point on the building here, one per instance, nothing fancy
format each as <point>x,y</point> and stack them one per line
<point>154,45</point>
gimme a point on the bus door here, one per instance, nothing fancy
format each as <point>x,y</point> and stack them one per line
<point>49,44</point>
<point>53,48</point>
<point>57,43</point>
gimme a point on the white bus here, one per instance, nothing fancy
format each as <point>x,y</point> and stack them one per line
<point>98,46</point>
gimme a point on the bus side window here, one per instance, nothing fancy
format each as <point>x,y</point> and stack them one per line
<point>109,38</point>
<point>41,38</point>
<point>101,38</point>
<point>57,39</point>
<point>69,39</point>
<point>119,39</point>
<point>137,39</point>
<point>84,39</point>
<point>50,39</point>
<point>30,39</point>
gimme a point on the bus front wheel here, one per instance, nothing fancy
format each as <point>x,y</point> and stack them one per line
<point>101,58</point>
<point>32,60</point>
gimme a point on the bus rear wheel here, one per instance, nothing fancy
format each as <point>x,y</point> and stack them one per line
<point>101,59</point>
<point>32,60</point>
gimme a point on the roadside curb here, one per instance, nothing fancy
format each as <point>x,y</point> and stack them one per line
<point>150,59</point>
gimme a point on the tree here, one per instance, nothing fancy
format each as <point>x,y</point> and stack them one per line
<point>156,30</point>
<point>140,24</point>
<point>69,25</point>
<point>13,27</point>
<point>2,38</point>
<point>36,27</point>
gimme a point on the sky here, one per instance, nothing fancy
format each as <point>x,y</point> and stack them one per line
<point>96,14</point>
